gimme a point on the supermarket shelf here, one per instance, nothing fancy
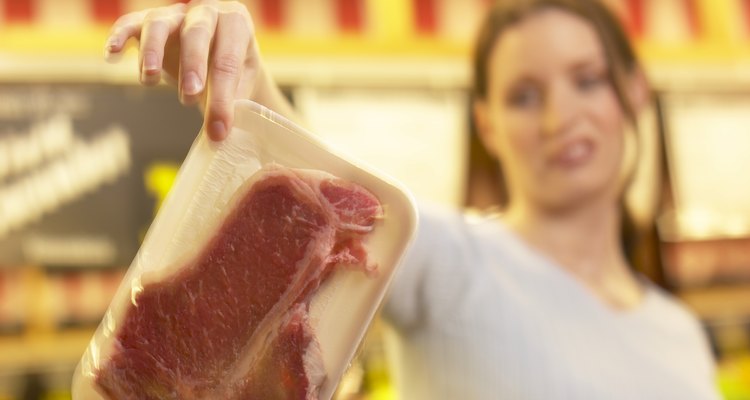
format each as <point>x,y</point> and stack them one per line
<point>43,350</point>
<point>89,40</point>
<point>719,302</point>
<point>51,40</point>
<point>43,54</point>
<point>400,72</point>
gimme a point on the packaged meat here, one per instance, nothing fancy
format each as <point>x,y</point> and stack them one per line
<point>259,275</point>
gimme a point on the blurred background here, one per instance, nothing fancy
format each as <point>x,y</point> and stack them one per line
<point>87,155</point>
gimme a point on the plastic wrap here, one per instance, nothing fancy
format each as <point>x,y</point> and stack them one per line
<point>210,181</point>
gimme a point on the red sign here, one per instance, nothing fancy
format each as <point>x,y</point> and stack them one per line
<point>106,10</point>
<point>19,10</point>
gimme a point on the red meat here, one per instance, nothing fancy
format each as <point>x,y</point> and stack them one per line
<point>232,323</point>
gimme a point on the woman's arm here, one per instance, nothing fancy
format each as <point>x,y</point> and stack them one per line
<point>208,48</point>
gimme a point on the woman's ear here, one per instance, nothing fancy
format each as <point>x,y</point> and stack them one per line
<point>483,125</point>
<point>640,90</point>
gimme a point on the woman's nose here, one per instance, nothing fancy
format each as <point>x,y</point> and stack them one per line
<point>559,110</point>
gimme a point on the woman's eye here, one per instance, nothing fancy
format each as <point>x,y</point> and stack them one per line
<point>525,97</point>
<point>589,81</point>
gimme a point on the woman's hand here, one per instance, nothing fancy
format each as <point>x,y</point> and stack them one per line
<point>208,48</point>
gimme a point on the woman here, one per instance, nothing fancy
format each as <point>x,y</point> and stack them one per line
<point>540,302</point>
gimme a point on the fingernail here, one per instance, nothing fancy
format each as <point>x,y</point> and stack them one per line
<point>191,84</point>
<point>217,130</point>
<point>112,46</point>
<point>150,62</point>
<point>113,43</point>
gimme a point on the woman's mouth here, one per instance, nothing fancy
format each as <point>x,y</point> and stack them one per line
<point>574,153</point>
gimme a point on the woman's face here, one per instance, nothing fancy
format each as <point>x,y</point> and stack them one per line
<point>551,114</point>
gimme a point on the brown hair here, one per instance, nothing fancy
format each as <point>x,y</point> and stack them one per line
<point>618,51</point>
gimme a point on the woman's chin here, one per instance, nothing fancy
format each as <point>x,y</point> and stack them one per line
<point>581,193</point>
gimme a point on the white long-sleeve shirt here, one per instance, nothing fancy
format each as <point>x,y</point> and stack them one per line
<point>481,315</point>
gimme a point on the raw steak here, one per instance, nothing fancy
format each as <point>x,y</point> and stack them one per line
<point>232,323</point>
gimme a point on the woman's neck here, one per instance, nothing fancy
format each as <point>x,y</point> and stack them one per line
<point>585,242</point>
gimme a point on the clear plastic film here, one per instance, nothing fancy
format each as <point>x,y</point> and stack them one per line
<point>210,186</point>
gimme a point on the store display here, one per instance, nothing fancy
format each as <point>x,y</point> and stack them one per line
<point>77,298</point>
<point>13,305</point>
<point>72,152</point>
<point>705,234</point>
<point>691,263</point>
